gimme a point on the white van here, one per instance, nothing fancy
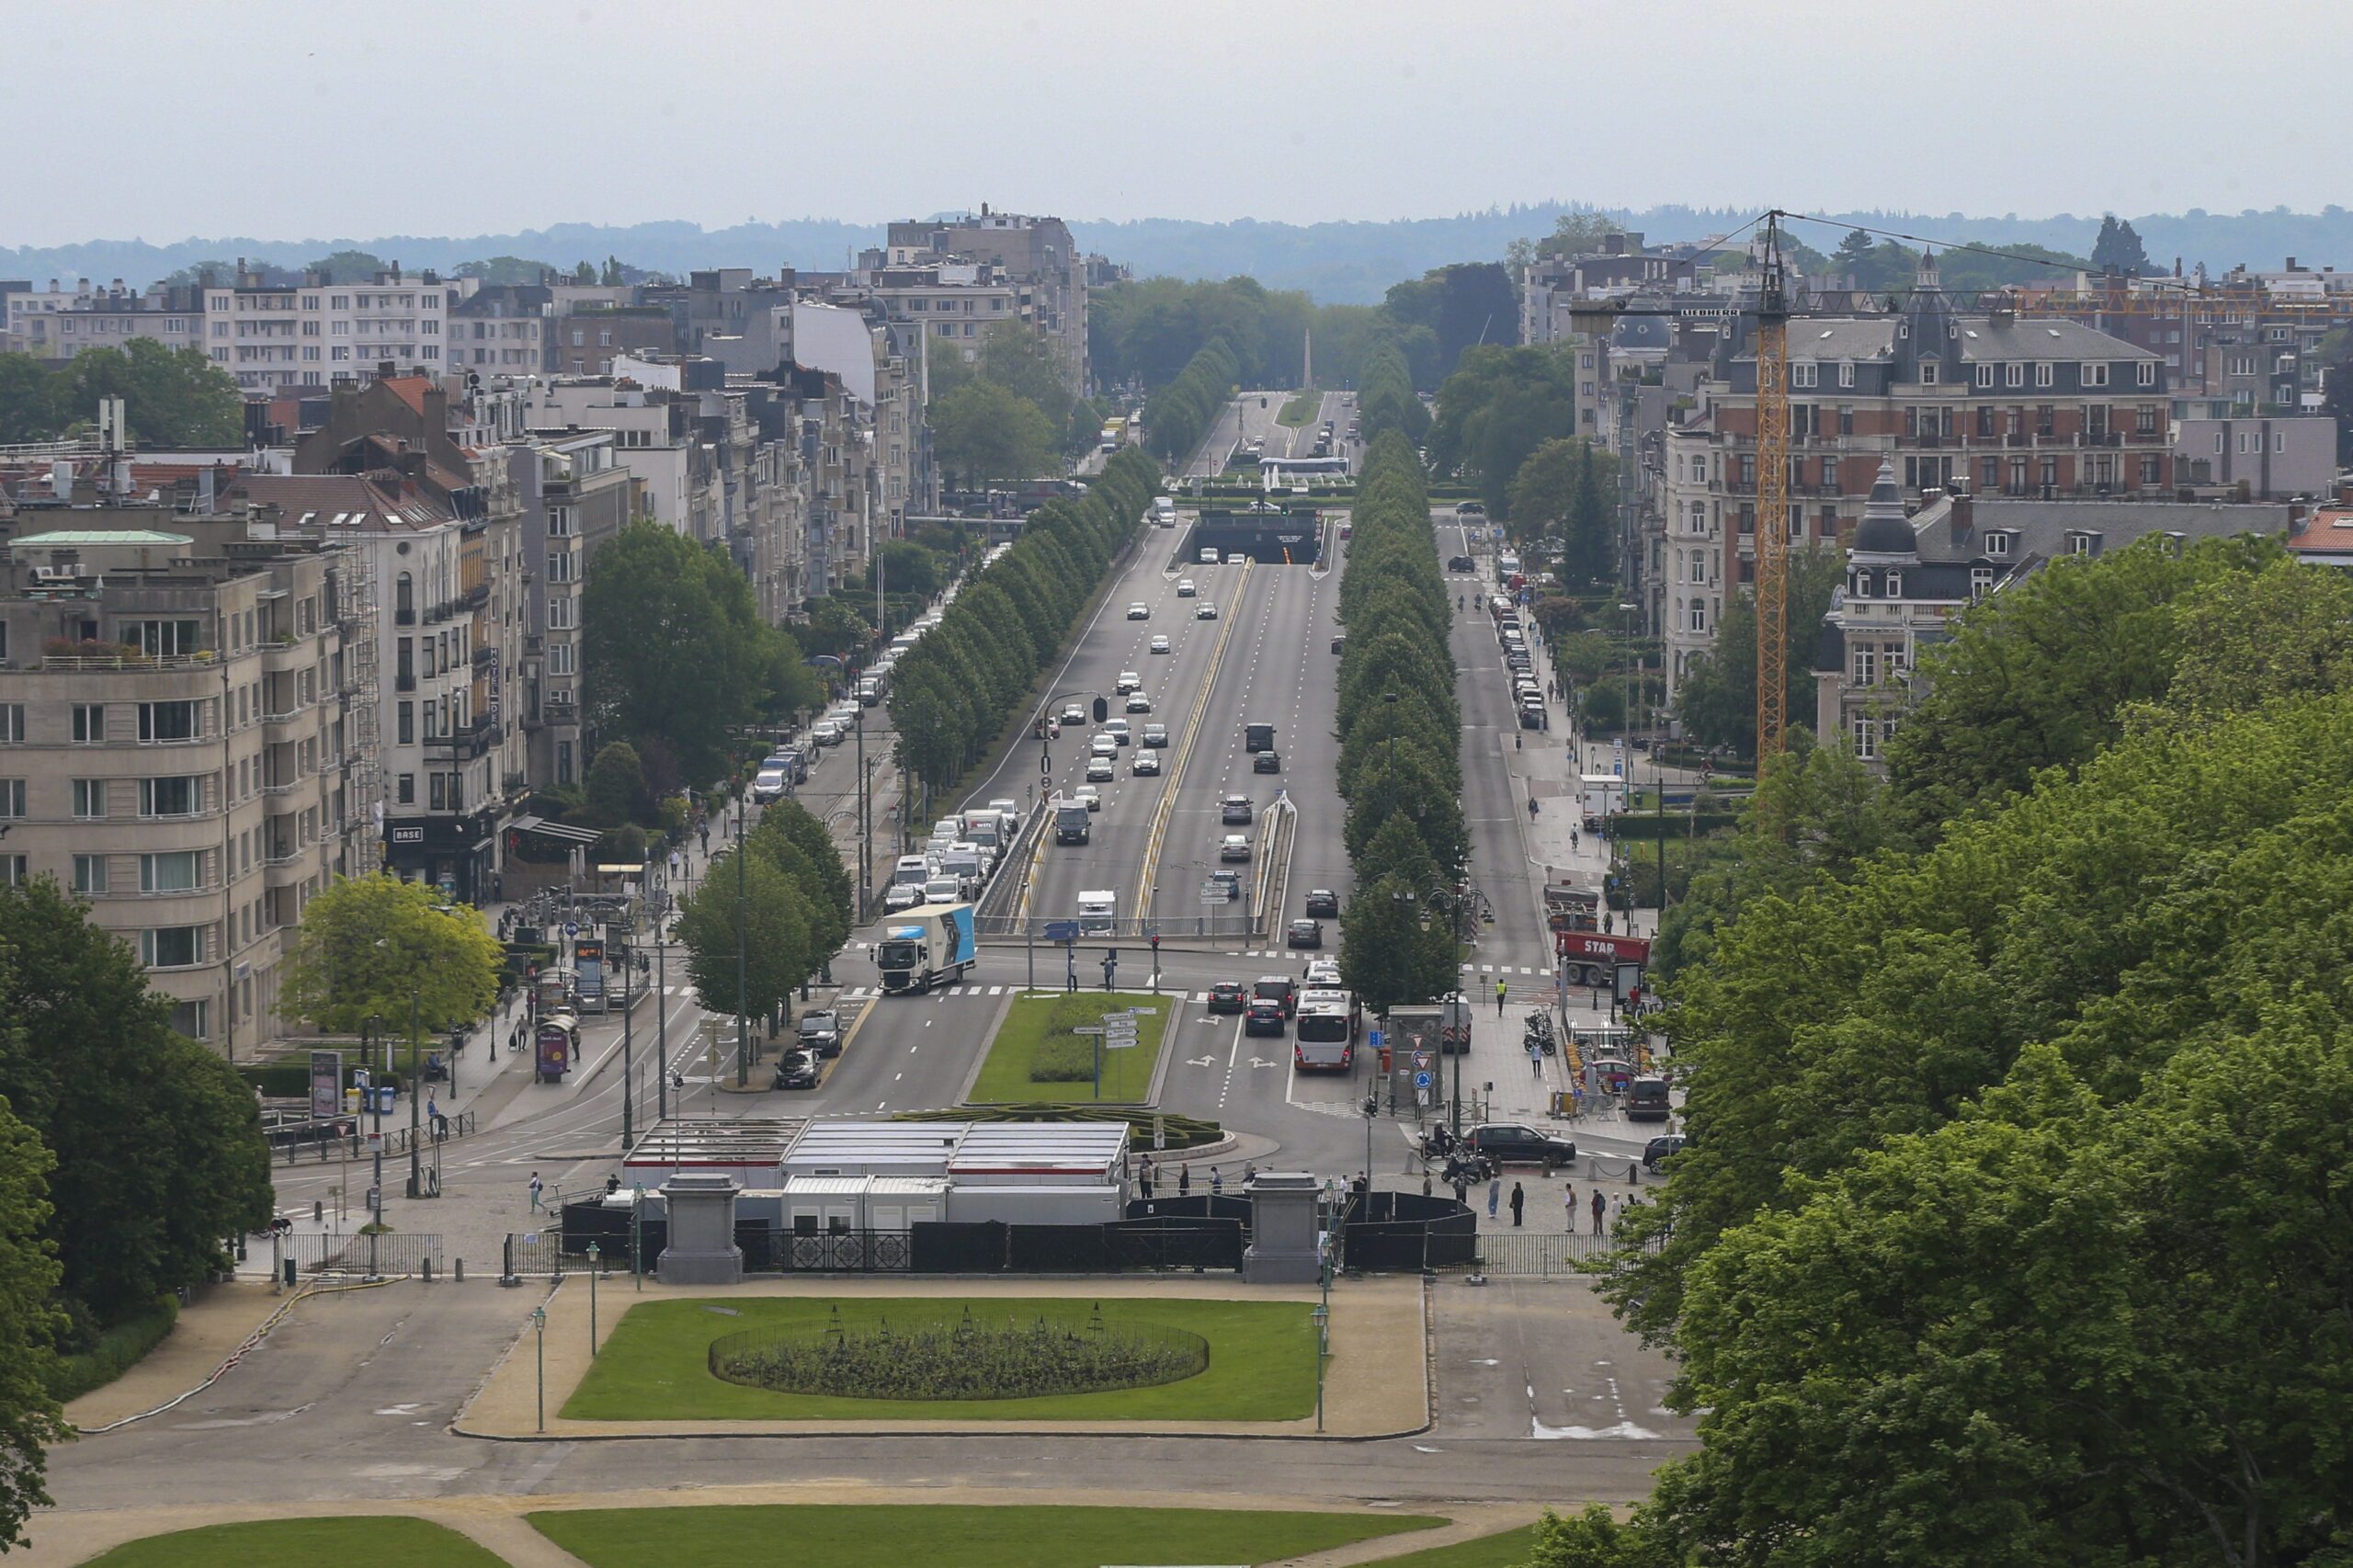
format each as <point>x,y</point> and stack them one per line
<point>1098,913</point>
<point>1209,555</point>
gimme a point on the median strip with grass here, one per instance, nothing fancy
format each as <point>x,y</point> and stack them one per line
<point>657,1364</point>
<point>849,1535</point>
<point>1300,409</point>
<point>381,1540</point>
<point>1035,1054</point>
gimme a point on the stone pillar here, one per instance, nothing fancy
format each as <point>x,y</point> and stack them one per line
<point>1282,1249</point>
<point>702,1249</point>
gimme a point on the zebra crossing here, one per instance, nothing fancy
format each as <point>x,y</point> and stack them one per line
<point>870,993</point>
<point>1503,969</point>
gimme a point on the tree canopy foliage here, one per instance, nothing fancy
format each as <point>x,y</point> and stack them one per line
<point>368,944</point>
<point>954,691</point>
<point>1496,409</point>
<point>986,434</point>
<point>172,398</point>
<point>675,651</point>
<point>2013,1214</point>
<point>1718,697</point>
<point>1401,730</point>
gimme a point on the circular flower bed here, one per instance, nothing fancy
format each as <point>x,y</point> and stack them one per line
<point>961,1357</point>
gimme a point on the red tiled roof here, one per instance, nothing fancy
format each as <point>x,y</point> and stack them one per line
<point>2329,527</point>
<point>409,389</point>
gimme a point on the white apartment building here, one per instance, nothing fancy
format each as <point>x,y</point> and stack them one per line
<point>313,333</point>
<point>55,324</point>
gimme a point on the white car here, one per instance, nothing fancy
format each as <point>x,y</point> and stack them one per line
<point>1159,643</point>
<point>1103,745</point>
<point>1205,611</point>
<point>1118,730</point>
<point>1128,681</point>
<point>1009,812</point>
<point>1139,703</point>
<point>1146,765</point>
<point>1186,588</point>
<point>768,786</point>
<point>951,827</point>
<point>1209,555</point>
<point>1087,795</point>
<point>1236,557</point>
<point>1139,611</point>
<point>825,732</point>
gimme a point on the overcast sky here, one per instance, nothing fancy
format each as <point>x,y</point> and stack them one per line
<point>318,118</point>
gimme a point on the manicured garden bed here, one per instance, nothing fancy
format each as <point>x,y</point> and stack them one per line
<point>1035,1039</point>
<point>656,1364</point>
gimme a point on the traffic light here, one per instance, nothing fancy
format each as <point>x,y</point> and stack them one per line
<point>1155,941</point>
<point>1102,710</point>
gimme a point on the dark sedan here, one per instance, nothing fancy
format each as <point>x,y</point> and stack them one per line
<point>1267,762</point>
<point>798,1070</point>
<point>1323,901</point>
<point>1306,934</point>
<point>1227,996</point>
<point>1508,1142</point>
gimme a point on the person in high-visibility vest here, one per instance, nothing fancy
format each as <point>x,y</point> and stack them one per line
<point>1500,989</point>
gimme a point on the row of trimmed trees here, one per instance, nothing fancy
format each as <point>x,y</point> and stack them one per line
<point>954,692</point>
<point>1400,726</point>
<point>1178,415</point>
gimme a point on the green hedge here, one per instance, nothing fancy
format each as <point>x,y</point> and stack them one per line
<point>1648,825</point>
<point>117,1349</point>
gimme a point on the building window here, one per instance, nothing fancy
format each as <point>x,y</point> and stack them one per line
<point>2145,373</point>
<point>1805,373</point>
<point>2152,470</point>
<point>1895,585</point>
<point>177,796</point>
<point>12,723</point>
<point>2093,373</point>
<point>193,1019</point>
<point>405,792</point>
<point>171,947</point>
<point>12,798</point>
<point>89,799</point>
<point>1846,373</point>
<point>1997,545</point>
<point>405,718</point>
<point>89,873</point>
<point>1981,582</point>
<point>1866,664</point>
<point>2042,373</point>
<point>166,722</point>
<point>14,869</point>
<point>1929,370</point>
<point>1866,738</point>
<point>177,871</point>
<point>1985,374</point>
<point>1699,621</point>
<point>160,639</point>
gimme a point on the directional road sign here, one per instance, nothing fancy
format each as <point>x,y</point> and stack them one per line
<point>1421,1081</point>
<point>1375,1036</point>
<point>1062,930</point>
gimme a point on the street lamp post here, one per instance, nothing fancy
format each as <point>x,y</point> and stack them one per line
<point>376,1106</point>
<point>661,1025</point>
<point>593,1251</point>
<point>539,1327</point>
<point>415,1106</point>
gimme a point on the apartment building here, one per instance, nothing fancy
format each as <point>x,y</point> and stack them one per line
<point>1036,254</point>
<point>53,324</point>
<point>1908,576</point>
<point>1995,403</point>
<point>183,738</point>
<point>314,333</point>
<point>1622,266</point>
<point>503,329</point>
<point>588,340</point>
<point>2271,458</point>
<point>573,493</point>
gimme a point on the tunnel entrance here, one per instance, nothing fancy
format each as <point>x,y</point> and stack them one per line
<point>1269,535</point>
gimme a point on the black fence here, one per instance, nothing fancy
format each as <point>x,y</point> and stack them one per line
<point>383,1256</point>
<point>1148,1244</point>
<point>1541,1255</point>
<point>1387,1231</point>
<point>344,1138</point>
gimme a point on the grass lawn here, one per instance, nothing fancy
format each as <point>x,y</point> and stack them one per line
<point>1507,1548</point>
<point>861,1537</point>
<point>655,1366</point>
<point>1300,410</point>
<point>1035,1037</point>
<point>381,1540</point>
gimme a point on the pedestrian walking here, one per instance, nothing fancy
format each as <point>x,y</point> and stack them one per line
<point>1461,1190</point>
<point>1184,1183</point>
<point>1518,1202</point>
<point>1573,841</point>
<point>1597,1211</point>
<point>1495,1194</point>
<point>706,838</point>
<point>1616,1207</point>
<point>1216,1182</point>
<point>1425,1181</point>
<point>1500,989</point>
<point>1249,1171</point>
<point>1569,1203</point>
<point>674,865</point>
<point>499,887</point>
<point>537,1188</point>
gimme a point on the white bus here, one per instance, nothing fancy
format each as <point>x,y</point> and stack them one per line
<point>1324,1034</point>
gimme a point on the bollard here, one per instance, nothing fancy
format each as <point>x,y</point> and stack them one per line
<point>508,1275</point>
<point>458,1272</point>
<point>289,1274</point>
<point>1634,1173</point>
<point>428,1271</point>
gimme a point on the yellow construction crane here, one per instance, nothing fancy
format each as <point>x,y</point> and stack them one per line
<point>1772,496</point>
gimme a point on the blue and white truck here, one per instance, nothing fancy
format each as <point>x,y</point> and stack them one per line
<point>927,946</point>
